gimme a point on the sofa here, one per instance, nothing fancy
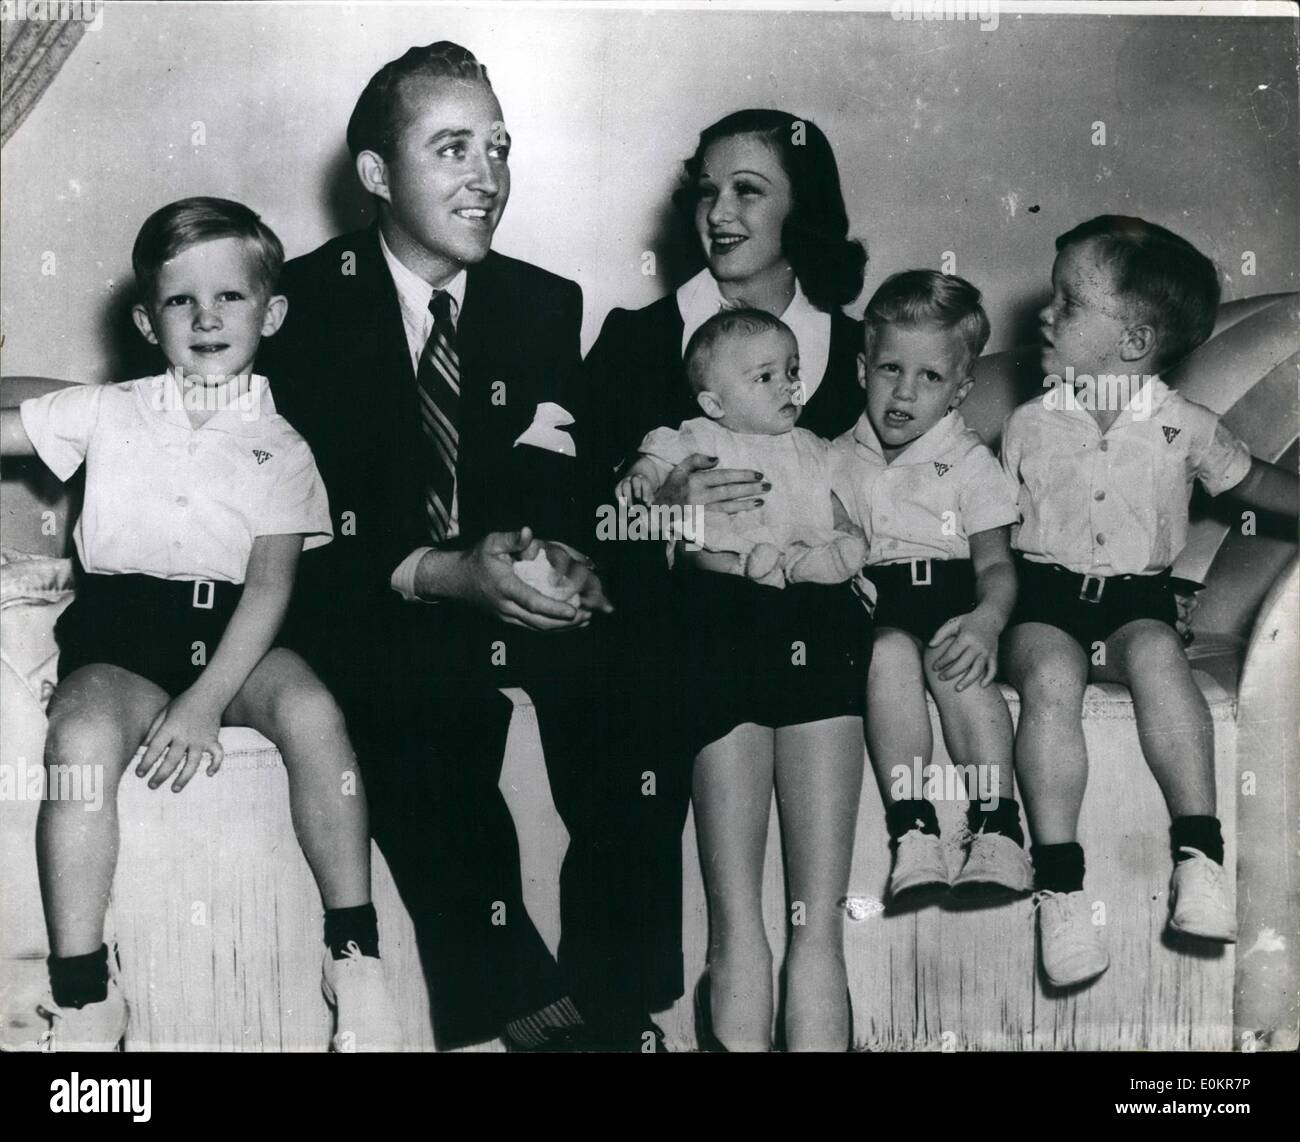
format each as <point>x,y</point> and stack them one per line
<point>223,951</point>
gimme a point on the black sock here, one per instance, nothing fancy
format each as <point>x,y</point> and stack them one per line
<point>344,925</point>
<point>78,980</point>
<point>1003,818</point>
<point>904,816</point>
<point>1058,868</point>
<point>1201,833</point>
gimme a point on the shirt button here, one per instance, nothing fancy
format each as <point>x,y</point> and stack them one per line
<point>1101,540</point>
<point>182,501</point>
<point>1099,495</point>
<point>1105,445</point>
<point>176,543</point>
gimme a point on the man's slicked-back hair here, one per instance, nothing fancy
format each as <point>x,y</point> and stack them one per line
<point>1171,284</point>
<point>827,263</point>
<point>376,124</point>
<point>927,297</point>
<point>725,324</point>
<point>187,222</point>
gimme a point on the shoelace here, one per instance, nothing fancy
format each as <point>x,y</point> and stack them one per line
<point>1060,916</point>
<point>52,1012</point>
<point>353,955</point>
<point>918,826</point>
<point>915,828</point>
<point>1213,869</point>
<point>352,950</point>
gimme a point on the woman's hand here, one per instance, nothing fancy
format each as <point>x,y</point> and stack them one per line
<point>696,481</point>
<point>184,730</point>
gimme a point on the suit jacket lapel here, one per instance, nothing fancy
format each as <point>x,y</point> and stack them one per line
<point>387,381</point>
<point>385,319</point>
<point>475,324</point>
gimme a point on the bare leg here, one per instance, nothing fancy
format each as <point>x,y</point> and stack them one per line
<point>898,720</point>
<point>1050,670</point>
<point>98,718</point>
<point>1173,719</point>
<point>284,701</point>
<point>818,781</point>
<point>976,727</point>
<point>732,794</point>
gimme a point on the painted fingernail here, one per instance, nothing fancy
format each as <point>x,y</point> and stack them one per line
<point>767,487</point>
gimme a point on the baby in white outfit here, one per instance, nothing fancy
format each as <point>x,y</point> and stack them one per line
<point>743,366</point>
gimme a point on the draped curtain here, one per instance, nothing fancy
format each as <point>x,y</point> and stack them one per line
<point>31,53</point>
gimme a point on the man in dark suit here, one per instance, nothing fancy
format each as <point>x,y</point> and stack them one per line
<point>429,373</point>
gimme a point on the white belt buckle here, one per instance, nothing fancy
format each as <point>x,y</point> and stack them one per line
<point>917,579</point>
<point>204,598</point>
<point>1087,581</point>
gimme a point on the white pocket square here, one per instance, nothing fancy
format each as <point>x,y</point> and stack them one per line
<point>547,430</point>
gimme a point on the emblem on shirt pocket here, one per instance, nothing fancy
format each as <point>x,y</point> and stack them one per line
<point>941,469</point>
<point>262,457</point>
<point>1171,434</point>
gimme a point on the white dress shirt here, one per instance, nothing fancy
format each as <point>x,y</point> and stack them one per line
<point>930,499</point>
<point>166,499</point>
<point>699,299</point>
<point>1115,504</point>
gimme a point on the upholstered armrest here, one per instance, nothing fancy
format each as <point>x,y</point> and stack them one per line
<point>36,510</point>
<point>15,390</point>
<point>1268,803</point>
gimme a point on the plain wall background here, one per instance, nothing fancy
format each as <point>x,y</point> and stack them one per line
<point>948,138</point>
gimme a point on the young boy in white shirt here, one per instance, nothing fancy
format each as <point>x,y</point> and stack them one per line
<point>1105,462</point>
<point>198,500</point>
<point>937,511</point>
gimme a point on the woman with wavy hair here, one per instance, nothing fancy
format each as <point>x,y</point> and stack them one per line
<point>763,684</point>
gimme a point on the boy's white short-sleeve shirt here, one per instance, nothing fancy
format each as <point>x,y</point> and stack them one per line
<point>1115,504</point>
<point>165,499</point>
<point>926,504</point>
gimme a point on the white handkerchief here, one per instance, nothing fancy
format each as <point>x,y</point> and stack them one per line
<point>547,430</point>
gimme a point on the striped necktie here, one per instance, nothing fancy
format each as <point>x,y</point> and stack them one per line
<point>438,382</point>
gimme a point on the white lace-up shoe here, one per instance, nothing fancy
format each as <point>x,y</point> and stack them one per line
<point>995,861</point>
<point>365,1018</point>
<point>95,1027</point>
<point>1200,903</point>
<point>918,863</point>
<point>1068,939</point>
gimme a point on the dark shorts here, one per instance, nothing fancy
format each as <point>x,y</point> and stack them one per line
<point>145,625</point>
<point>773,657</point>
<point>921,595</point>
<point>1090,609</point>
